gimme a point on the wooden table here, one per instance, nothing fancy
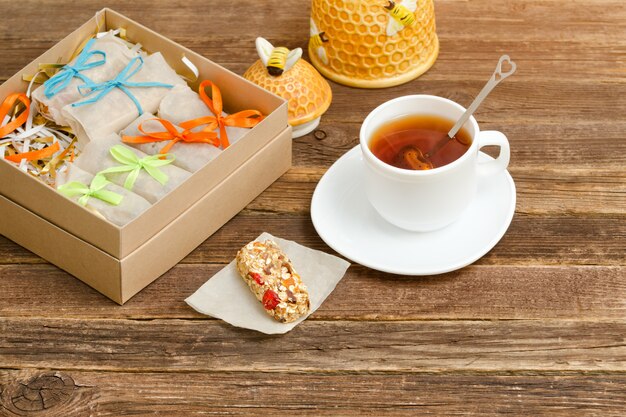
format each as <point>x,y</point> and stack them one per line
<point>536,327</point>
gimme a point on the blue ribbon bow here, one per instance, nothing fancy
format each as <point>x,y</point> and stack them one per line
<point>62,79</point>
<point>121,82</point>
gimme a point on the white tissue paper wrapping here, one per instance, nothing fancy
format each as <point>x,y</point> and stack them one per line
<point>183,104</point>
<point>118,55</point>
<point>226,296</point>
<point>96,157</point>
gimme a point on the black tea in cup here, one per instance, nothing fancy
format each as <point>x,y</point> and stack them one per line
<point>418,142</point>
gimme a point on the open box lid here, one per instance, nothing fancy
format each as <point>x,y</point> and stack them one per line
<point>238,94</point>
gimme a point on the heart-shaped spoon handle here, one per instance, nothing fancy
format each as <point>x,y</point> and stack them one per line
<point>495,79</point>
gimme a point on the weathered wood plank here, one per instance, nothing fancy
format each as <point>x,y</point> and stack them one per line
<point>475,292</point>
<point>394,346</point>
<point>530,240</point>
<point>523,21</point>
<point>263,394</point>
<point>54,393</point>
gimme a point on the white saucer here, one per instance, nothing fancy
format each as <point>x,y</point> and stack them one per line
<point>345,220</point>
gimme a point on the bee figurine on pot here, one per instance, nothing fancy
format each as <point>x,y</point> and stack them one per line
<point>286,74</point>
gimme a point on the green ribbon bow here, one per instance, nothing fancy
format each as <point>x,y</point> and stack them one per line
<point>133,164</point>
<point>95,190</point>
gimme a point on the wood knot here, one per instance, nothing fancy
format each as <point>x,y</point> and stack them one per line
<point>320,134</point>
<point>42,392</point>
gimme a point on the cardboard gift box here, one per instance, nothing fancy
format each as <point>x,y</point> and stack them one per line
<point>121,261</point>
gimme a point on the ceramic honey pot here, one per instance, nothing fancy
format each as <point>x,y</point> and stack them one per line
<point>285,74</point>
<point>373,43</point>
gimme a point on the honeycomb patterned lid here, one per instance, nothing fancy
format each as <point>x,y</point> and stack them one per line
<point>373,43</point>
<point>308,93</point>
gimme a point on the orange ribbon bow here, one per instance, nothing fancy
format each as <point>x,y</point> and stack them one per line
<point>173,135</point>
<point>6,107</point>
<point>244,118</point>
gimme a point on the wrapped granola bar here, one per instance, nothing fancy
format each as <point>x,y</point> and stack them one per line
<point>184,105</point>
<point>101,60</point>
<point>114,203</point>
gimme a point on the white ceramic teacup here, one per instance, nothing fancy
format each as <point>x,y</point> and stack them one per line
<point>429,199</point>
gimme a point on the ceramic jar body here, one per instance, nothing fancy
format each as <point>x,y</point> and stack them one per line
<point>363,45</point>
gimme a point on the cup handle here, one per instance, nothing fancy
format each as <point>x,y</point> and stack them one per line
<point>493,137</point>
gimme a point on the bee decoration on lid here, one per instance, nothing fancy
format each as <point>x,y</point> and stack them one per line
<point>317,41</point>
<point>276,60</point>
<point>401,15</point>
<point>307,93</point>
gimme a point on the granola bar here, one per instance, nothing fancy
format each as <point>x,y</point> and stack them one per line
<point>273,280</point>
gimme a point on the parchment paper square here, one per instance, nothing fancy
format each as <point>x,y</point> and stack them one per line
<point>226,296</point>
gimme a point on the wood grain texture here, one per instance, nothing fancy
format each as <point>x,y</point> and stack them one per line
<point>314,346</point>
<point>476,292</point>
<point>338,395</point>
<point>536,327</point>
<point>29,393</point>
